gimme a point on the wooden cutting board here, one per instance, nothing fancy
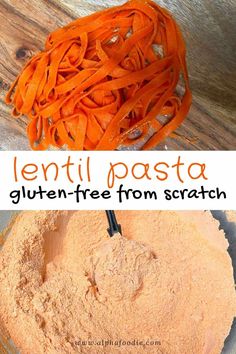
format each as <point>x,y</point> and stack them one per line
<point>209,28</point>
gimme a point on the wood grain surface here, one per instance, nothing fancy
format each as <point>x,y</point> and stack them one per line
<point>209,28</point>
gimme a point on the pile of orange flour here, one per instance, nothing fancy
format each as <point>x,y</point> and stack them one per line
<point>165,286</point>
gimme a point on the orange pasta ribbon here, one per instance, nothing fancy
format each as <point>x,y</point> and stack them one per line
<point>104,81</point>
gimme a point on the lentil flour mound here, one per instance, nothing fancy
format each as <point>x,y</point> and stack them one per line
<point>166,285</point>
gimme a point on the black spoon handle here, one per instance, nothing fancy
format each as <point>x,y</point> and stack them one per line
<point>114,227</point>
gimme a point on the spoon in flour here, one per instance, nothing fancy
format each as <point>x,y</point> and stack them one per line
<point>114,227</point>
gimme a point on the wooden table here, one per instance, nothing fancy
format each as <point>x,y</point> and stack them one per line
<point>210,33</point>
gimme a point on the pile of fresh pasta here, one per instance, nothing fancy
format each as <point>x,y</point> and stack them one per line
<point>103,81</point>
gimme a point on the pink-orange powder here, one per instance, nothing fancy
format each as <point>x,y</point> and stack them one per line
<point>167,282</point>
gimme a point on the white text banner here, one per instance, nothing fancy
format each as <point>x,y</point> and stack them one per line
<point>59,180</point>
